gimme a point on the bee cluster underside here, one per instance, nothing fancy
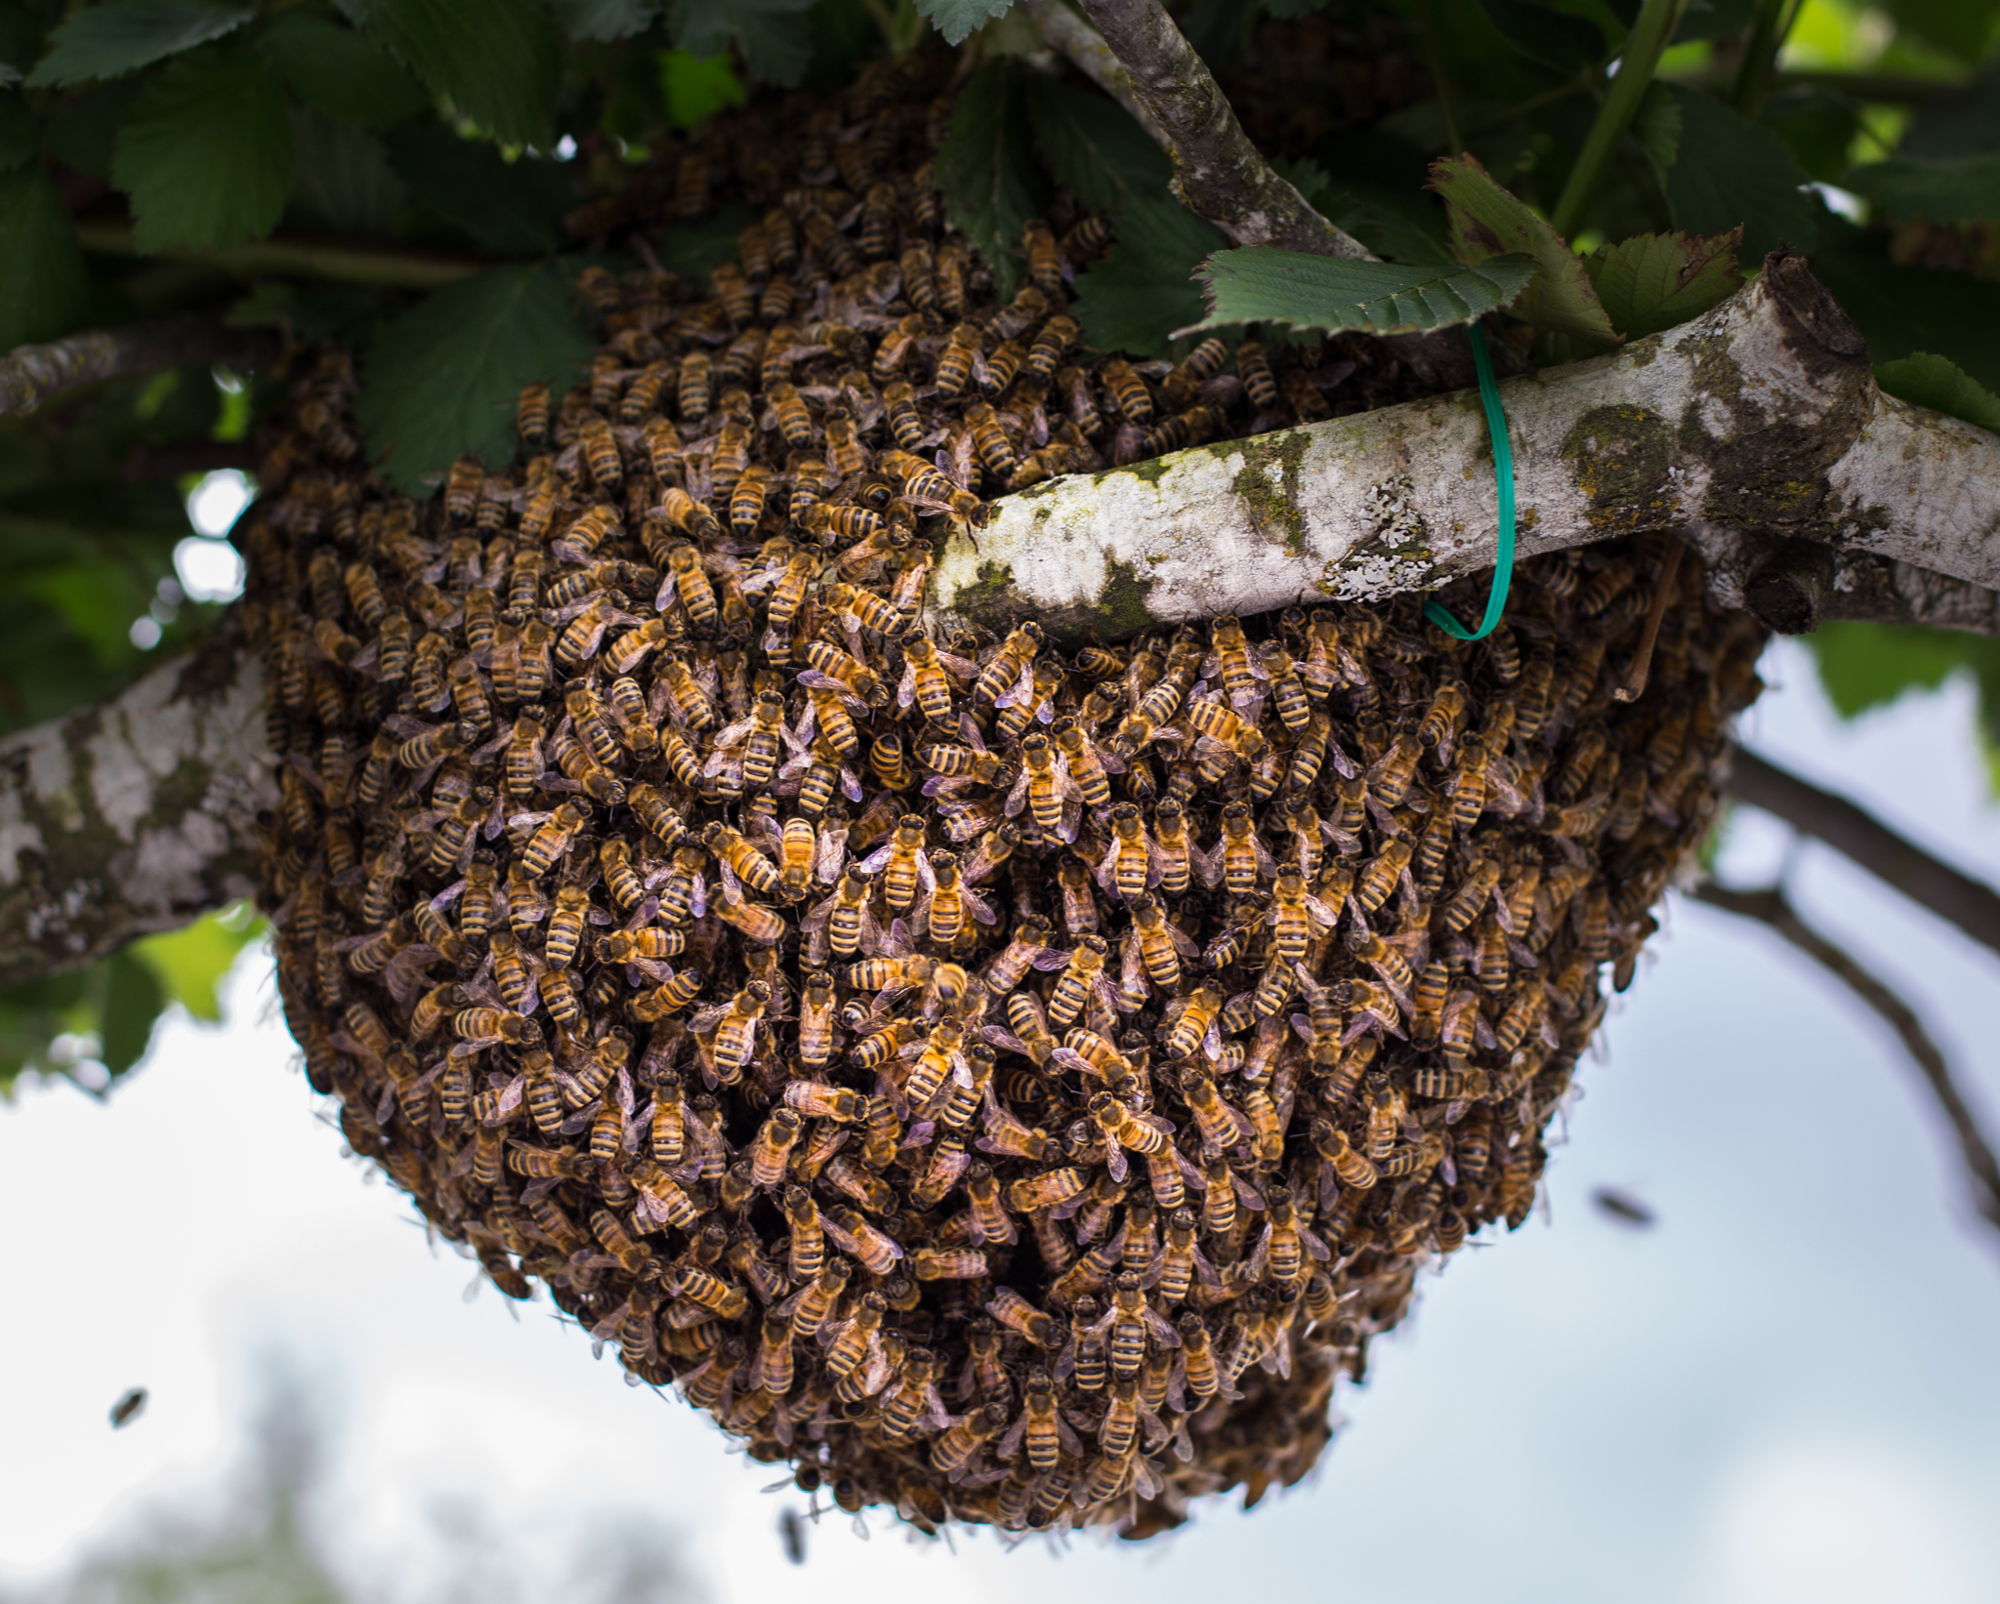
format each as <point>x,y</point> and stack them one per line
<point>1008,1085</point>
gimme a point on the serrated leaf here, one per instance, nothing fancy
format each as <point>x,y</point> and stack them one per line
<point>510,208</point>
<point>121,36</point>
<point>42,276</point>
<point>335,70</point>
<point>990,182</point>
<point>343,182</point>
<point>1929,380</point>
<point>498,61</point>
<point>1653,281</point>
<point>206,152</point>
<point>440,380</point>
<point>775,36</point>
<point>1145,287</point>
<point>604,20</point>
<point>1263,284</point>
<point>1487,221</point>
<point>191,964</point>
<point>1096,150</point>
<point>1956,189</point>
<point>1728,173</point>
<point>956,19</point>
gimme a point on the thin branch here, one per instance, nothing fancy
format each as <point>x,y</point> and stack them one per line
<point>1650,34</point>
<point>1951,894</point>
<point>388,266</point>
<point>1070,36</point>
<point>1771,907</point>
<point>1217,171</point>
<point>135,815</point>
<point>32,374</point>
<point>1765,405</point>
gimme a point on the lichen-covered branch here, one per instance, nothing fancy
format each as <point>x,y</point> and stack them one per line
<point>135,815</point>
<point>1217,171</point>
<point>1771,907</point>
<point>1755,423</point>
<point>31,374</point>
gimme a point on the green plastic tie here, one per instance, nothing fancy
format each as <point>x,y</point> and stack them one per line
<point>1503,474</point>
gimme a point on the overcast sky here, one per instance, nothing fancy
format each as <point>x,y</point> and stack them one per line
<point>1785,1391</point>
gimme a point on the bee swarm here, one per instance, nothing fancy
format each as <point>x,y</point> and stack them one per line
<point>1009,1086</point>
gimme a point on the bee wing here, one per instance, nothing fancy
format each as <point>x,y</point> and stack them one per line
<point>1017,797</point>
<point>906,687</point>
<point>1207,866</point>
<point>981,908</point>
<point>875,861</point>
<point>1132,970</point>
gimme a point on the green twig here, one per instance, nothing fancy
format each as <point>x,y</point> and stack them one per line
<point>1434,59</point>
<point>389,266</point>
<point>1649,37</point>
<point>1760,54</point>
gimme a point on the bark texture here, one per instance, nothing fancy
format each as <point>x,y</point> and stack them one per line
<point>33,374</point>
<point>136,815</point>
<point>1756,423</point>
<point>1217,171</point>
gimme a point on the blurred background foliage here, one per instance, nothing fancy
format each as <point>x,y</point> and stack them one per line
<point>268,1538</point>
<point>413,178</point>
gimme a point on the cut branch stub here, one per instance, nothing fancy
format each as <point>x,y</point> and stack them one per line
<point>1760,414</point>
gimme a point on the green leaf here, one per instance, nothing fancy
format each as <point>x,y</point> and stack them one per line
<point>510,208</point>
<point>1865,666</point>
<point>604,20</point>
<point>1960,28</point>
<point>1929,380</point>
<point>1727,173</point>
<point>335,70</point>
<point>1096,150</point>
<point>1653,281</point>
<point>775,36</point>
<point>1263,284</point>
<point>695,88</point>
<point>1957,189</point>
<point>17,132</point>
<point>42,276</point>
<point>1903,309</point>
<point>206,152</point>
<point>190,964</point>
<point>440,380</point>
<point>498,61</point>
<point>692,249</point>
<point>121,36</point>
<point>956,19</point>
<point>129,1008</point>
<point>990,182</point>
<point>1818,127</point>
<point>1487,221</point>
<point>1145,287</point>
<point>1963,123</point>
<point>344,184</point>
<point>85,126</point>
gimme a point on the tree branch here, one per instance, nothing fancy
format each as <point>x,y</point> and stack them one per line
<point>1857,835</point>
<point>1771,907</point>
<point>32,374</point>
<point>1756,422</point>
<point>404,267</point>
<point>1084,47</point>
<point>136,815</point>
<point>1217,171</point>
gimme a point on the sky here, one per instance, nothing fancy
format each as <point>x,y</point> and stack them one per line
<point>1783,1391</point>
